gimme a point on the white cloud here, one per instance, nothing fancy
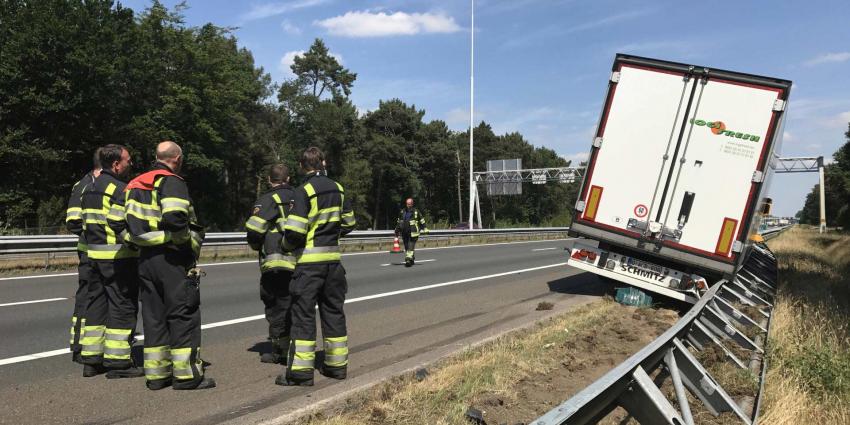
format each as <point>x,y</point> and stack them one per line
<point>458,118</point>
<point>829,58</point>
<point>552,31</point>
<point>289,58</point>
<point>382,24</point>
<point>576,158</point>
<point>839,120</point>
<point>290,28</point>
<point>266,10</point>
<point>787,137</point>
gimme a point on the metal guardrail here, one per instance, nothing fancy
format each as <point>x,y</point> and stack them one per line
<point>68,243</point>
<point>715,320</point>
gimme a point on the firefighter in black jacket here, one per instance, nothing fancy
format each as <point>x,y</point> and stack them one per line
<point>74,224</point>
<point>410,225</point>
<point>265,232</point>
<point>161,220</point>
<point>321,213</point>
<point>113,289</point>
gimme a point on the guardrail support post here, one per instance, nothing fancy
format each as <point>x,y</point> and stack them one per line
<point>646,403</point>
<point>681,396</point>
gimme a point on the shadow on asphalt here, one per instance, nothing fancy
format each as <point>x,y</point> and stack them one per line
<point>582,284</point>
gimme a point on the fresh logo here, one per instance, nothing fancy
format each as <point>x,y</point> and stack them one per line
<point>719,128</point>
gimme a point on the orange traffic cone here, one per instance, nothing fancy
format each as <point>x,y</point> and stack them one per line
<point>396,248</point>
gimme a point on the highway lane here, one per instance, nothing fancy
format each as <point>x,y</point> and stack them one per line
<point>384,329</point>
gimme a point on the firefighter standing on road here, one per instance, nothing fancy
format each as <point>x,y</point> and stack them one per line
<point>161,221</point>
<point>410,224</point>
<point>320,215</point>
<point>74,223</point>
<point>114,288</point>
<point>265,232</point>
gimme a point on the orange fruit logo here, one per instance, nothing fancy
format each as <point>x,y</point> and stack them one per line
<point>718,128</point>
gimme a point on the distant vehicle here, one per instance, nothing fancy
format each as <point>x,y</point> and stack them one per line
<point>677,173</point>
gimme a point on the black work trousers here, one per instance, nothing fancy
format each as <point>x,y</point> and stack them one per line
<point>325,285</point>
<point>81,301</point>
<point>113,306</point>
<point>274,291</point>
<point>171,316</point>
<point>409,244</point>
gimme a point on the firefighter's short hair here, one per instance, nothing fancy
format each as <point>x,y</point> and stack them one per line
<point>312,159</point>
<point>278,173</point>
<point>109,154</point>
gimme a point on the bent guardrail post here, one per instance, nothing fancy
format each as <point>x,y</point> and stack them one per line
<point>716,319</point>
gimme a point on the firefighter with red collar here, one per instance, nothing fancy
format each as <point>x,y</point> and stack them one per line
<point>161,221</point>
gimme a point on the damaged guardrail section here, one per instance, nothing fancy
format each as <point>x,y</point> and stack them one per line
<point>721,320</point>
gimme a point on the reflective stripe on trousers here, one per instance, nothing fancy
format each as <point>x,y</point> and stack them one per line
<point>75,339</point>
<point>157,362</point>
<point>92,340</point>
<point>304,357</point>
<point>278,261</point>
<point>181,359</point>
<point>117,344</point>
<point>318,254</point>
<point>336,351</point>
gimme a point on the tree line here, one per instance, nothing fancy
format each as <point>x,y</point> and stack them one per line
<point>836,191</point>
<point>75,75</point>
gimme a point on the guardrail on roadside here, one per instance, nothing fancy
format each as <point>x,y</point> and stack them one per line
<point>713,321</point>
<point>68,243</point>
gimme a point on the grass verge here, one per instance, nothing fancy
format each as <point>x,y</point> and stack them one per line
<point>514,378</point>
<point>808,377</point>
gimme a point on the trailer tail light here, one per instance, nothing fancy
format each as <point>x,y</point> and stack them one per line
<point>584,255</point>
<point>592,203</point>
<point>727,236</point>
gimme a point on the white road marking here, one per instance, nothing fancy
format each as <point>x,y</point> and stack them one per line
<point>47,300</point>
<point>349,254</point>
<point>545,249</point>
<point>52,353</point>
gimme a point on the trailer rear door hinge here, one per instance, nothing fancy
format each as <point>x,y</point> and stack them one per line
<point>615,77</point>
<point>778,105</point>
<point>758,176</point>
<point>737,246</point>
<point>580,206</point>
<point>597,142</point>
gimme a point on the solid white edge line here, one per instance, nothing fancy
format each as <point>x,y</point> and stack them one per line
<point>36,356</point>
<point>46,300</point>
<point>348,254</point>
<point>544,249</point>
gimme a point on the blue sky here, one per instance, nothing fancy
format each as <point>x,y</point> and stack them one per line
<point>542,65</point>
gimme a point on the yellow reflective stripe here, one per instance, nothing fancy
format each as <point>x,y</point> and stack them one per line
<point>157,362</point>
<point>157,237</point>
<point>304,356</point>
<point>94,216</point>
<point>257,224</point>
<point>116,213</point>
<point>92,340</point>
<point>142,211</point>
<point>117,344</point>
<point>174,204</point>
<point>319,258</point>
<point>73,213</point>
<point>181,359</point>
<point>296,224</point>
<point>82,246</point>
<point>336,351</point>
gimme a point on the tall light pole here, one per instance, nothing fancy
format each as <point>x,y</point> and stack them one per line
<point>471,110</point>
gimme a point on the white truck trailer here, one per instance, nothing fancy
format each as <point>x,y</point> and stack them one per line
<point>677,174</point>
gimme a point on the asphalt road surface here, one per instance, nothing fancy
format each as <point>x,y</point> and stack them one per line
<point>394,313</point>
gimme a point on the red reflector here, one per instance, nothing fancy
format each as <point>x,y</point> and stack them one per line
<point>591,256</point>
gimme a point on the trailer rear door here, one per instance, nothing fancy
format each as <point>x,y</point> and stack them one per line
<point>678,156</point>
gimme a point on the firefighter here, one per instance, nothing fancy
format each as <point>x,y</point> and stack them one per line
<point>74,224</point>
<point>265,231</point>
<point>410,225</point>
<point>321,213</point>
<point>113,289</point>
<point>162,222</point>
